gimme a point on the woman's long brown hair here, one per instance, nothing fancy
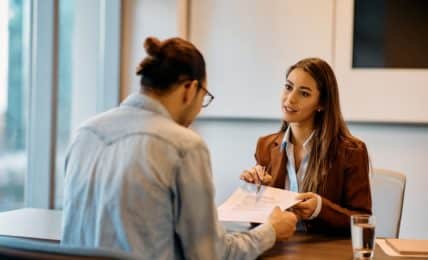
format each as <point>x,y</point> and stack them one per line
<point>329,126</point>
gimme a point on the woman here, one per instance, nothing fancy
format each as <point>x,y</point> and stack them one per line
<point>314,152</point>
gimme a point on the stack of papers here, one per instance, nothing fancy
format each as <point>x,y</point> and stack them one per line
<point>408,246</point>
<point>246,205</point>
<point>404,247</point>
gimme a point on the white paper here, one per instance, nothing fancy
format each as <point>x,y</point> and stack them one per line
<point>391,252</point>
<point>245,205</point>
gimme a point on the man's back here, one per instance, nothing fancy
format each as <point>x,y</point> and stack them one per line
<point>138,182</point>
<point>121,187</point>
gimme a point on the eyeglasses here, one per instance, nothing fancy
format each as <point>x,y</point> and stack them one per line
<point>208,98</point>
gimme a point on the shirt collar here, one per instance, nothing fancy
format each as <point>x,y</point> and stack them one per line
<point>141,101</point>
<point>307,145</point>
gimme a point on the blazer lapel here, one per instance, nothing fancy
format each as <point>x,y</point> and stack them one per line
<point>278,162</point>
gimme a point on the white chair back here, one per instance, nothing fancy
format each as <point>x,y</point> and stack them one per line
<point>388,195</point>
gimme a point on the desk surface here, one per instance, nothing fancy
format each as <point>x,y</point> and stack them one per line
<point>304,246</point>
<point>46,224</point>
<point>43,224</point>
<point>307,247</point>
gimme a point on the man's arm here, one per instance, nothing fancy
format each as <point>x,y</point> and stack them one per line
<point>197,226</point>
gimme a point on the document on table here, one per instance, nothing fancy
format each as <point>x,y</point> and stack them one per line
<point>386,247</point>
<point>245,205</point>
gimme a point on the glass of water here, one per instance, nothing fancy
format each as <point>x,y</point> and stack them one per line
<point>363,236</point>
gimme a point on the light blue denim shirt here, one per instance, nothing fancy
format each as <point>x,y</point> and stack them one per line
<point>137,181</point>
<point>295,178</point>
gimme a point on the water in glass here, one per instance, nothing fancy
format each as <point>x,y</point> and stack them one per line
<point>363,236</point>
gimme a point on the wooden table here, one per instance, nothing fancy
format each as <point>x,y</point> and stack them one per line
<point>307,247</point>
<point>303,246</point>
<point>45,224</point>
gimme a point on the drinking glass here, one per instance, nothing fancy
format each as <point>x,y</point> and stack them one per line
<point>363,236</point>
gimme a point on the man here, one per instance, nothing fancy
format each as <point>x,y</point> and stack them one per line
<point>138,180</point>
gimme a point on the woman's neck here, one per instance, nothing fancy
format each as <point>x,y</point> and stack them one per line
<point>300,133</point>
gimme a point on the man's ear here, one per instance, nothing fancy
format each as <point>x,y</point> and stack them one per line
<point>194,84</point>
<point>186,86</point>
<point>190,90</point>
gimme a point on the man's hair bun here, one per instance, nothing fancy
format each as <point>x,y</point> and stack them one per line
<point>152,46</point>
<point>168,62</point>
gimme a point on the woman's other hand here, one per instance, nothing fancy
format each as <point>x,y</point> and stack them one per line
<point>307,207</point>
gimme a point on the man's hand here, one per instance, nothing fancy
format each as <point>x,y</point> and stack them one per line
<point>283,222</point>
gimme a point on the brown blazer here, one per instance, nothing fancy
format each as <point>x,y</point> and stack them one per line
<point>347,184</point>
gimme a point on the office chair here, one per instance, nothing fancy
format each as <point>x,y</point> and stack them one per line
<point>387,188</point>
<point>18,248</point>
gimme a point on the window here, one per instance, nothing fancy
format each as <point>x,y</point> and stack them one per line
<point>65,95</point>
<point>88,70</point>
<point>14,61</point>
<point>59,65</point>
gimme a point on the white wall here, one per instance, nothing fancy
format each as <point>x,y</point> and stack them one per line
<point>248,44</point>
<point>140,19</point>
<point>398,147</point>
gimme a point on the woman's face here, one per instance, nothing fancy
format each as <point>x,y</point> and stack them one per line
<point>300,98</point>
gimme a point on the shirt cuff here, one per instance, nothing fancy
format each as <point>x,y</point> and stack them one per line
<point>317,209</point>
<point>265,235</point>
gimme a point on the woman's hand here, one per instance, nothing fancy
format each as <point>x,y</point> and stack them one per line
<point>306,208</point>
<point>256,174</point>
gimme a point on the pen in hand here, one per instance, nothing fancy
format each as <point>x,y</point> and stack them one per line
<point>260,179</point>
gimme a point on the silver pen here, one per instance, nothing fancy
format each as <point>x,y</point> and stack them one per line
<point>260,180</point>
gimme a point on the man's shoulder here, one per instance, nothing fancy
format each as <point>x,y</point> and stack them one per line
<point>181,137</point>
<point>120,123</point>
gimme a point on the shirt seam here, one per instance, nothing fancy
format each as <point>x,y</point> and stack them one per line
<point>182,150</point>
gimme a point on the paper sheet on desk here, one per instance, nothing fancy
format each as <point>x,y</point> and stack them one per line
<point>391,252</point>
<point>244,205</point>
